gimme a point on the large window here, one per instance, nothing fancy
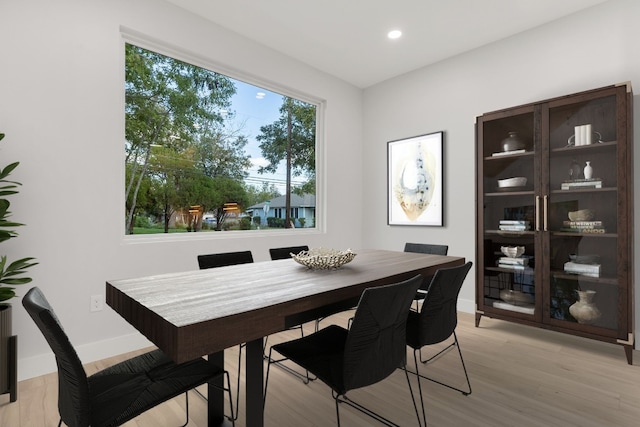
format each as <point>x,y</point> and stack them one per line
<point>206,152</point>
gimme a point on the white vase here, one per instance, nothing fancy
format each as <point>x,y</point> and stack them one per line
<point>588,171</point>
<point>584,310</point>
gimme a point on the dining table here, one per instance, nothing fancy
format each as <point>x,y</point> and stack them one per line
<point>198,313</point>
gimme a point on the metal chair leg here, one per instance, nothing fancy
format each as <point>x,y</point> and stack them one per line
<point>186,409</point>
<point>306,378</point>
<point>447,348</point>
<point>234,416</point>
<point>344,399</point>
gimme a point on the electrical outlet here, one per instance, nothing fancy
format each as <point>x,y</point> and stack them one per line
<point>97,303</point>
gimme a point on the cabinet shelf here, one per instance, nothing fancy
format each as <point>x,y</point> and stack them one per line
<point>553,239</point>
<point>576,234</point>
<point>509,157</point>
<point>528,270</point>
<point>599,146</point>
<point>511,233</point>
<point>586,190</point>
<point>510,193</point>
<point>583,278</point>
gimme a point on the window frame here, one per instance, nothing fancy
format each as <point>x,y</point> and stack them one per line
<point>136,38</point>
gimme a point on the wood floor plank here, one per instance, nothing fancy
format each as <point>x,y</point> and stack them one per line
<point>520,376</point>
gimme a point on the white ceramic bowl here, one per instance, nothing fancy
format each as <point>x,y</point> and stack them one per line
<point>516,181</point>
<point>512,251</point>
<point>516,297</point>
<point>582,215</point>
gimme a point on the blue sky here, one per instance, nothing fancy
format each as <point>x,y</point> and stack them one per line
<point>256,111</point>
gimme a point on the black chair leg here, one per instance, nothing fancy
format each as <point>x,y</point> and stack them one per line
<point>418,376</point>
<point>413,398</point>
<point>306,378</point>
<point>447,348</point>
<point>186,409</point>
<point>234,415</point>
<point>344,399</point>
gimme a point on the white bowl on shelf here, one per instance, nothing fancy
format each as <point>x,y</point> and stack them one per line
<point>582,215</point>
<point>512,251</point>
<point>516,297</point>
<point>516,181</point>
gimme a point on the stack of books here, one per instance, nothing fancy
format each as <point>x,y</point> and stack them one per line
<point>514,225</point>
<point>592,270</point>
<point>583,227</point>
<point>514,263</point>
<point>575,184</point>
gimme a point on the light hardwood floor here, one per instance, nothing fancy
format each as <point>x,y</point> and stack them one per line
<point>520,376</point>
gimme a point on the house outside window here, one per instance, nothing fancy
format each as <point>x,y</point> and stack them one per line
<point>303,212</point>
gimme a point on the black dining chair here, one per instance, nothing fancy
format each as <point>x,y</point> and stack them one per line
<point>121,392</point>
<point>286,252</point>
<point>224,259</point>
<point>425,248</point>
<point>436,322</point>
<point>367,353</point>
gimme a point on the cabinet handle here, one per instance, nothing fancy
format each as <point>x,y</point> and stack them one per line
<point>544,207</point>
<point>537,213</point>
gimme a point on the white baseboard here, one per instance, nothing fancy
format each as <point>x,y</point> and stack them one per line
<point>466,306</point>
<point>30,367</point>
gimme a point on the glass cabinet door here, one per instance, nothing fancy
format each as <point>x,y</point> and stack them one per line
<point>507,185</point>
<point>581,213</point>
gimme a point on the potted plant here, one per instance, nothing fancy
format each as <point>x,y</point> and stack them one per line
<point>11,274</point>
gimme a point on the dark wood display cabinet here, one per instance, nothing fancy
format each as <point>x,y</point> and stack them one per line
<point>554,230</point>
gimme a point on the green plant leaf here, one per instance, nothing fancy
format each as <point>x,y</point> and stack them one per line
<point>20,281</point>
<point>16,268</point>
<point>6,293</point>
<point>8,169</point>
<point>4,223</point>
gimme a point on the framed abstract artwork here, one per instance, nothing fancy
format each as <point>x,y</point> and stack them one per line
<point>415,186</point>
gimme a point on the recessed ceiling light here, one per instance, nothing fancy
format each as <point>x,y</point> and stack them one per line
<point>395,34</point>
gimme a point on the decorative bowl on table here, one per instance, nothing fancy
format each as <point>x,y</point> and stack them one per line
<point>512,251</point>
<point>324,259</point>
<point>516,181</point>
<point>582,215</point>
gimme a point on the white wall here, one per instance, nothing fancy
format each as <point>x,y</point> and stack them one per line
<point>594,48</point>
<point>61,107</point>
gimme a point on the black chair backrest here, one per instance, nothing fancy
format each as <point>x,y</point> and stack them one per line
<point>284,253</point>
<point>224,259</point>
<point>426,248</point>
<point>73,387</point>
<point>376,343</point>
<point>438,316</point>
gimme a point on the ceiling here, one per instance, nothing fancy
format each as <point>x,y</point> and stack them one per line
<point>347,38</point>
